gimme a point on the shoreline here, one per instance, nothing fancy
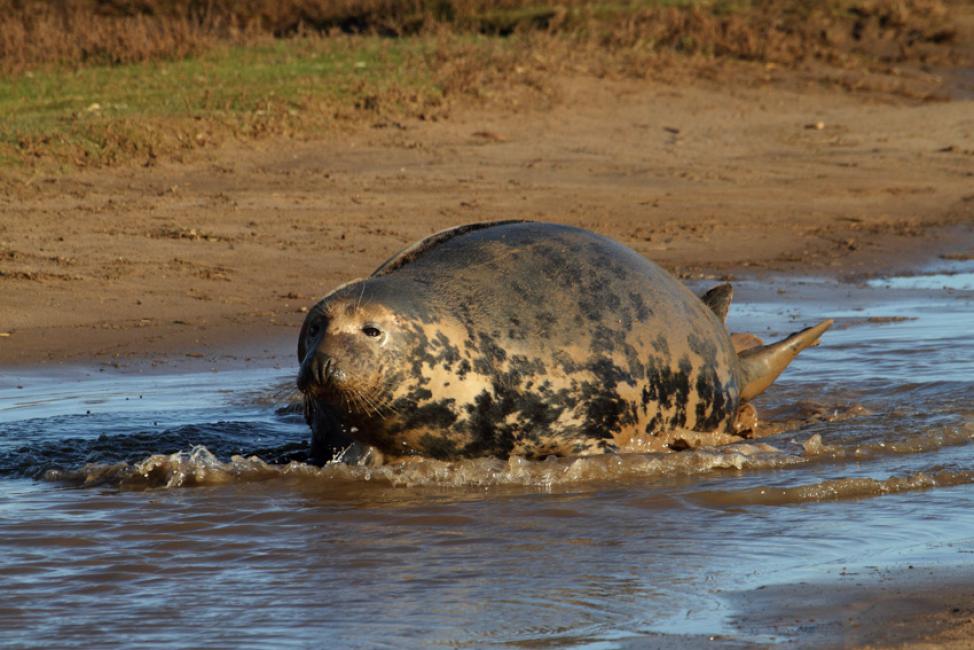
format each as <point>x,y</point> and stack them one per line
<point>913,606</point>
<point>182,346</point>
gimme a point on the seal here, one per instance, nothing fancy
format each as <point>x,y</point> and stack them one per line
<point>527,338</point>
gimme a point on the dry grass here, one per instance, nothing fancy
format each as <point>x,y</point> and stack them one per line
<point>86,32</point>
<point>790,32</point>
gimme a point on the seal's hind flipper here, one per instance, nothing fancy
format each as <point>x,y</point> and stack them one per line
<point>745,341</point>
<point>762,365</point>
<point>719,300</point>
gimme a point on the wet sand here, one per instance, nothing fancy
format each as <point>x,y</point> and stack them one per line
<point>124,264</point>
<point>906,607</point>
<point>210,263</point>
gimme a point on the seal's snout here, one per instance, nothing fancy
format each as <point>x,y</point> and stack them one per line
<point>317,371</point>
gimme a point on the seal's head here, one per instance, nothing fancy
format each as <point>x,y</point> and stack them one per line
<point>348,349</point>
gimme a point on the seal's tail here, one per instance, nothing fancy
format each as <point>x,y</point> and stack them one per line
<point>763,364</point>
<point>719,299</point>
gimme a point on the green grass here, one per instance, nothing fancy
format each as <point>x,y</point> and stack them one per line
<point>100,114</point>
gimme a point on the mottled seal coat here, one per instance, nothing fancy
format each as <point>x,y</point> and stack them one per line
<point>522,338</point>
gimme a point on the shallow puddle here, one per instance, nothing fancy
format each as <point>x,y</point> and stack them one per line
<point>161,509</point>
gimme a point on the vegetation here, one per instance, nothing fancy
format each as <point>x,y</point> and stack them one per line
<point>100,114</point>
<point>101,81</point>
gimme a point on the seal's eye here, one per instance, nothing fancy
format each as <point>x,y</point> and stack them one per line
<point>312,330</point>
<point>368,330</point>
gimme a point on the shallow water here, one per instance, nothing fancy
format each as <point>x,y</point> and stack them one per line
<point>160,510</point>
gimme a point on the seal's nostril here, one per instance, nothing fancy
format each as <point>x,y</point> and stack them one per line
<point>319,369</point>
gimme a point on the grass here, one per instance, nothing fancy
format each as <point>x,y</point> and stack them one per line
<point>85,87</point>
<point>103,114</point>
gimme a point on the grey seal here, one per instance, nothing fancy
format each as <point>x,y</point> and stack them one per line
<point>527,338</point>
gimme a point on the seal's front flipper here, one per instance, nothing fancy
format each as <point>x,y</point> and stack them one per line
<point>328,438</point>
<point>719,299</point>
<point>763,364</point>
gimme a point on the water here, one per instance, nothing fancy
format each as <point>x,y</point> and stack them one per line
<point>162,510</point>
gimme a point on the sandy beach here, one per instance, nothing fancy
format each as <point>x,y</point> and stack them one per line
<point>114,265</point>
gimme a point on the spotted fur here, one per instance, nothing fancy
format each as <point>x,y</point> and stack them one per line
<point>514,338</point>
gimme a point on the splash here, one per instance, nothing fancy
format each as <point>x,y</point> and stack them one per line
<point>198,467</point>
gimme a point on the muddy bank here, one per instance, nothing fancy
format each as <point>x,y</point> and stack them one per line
<point>190,259</point>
